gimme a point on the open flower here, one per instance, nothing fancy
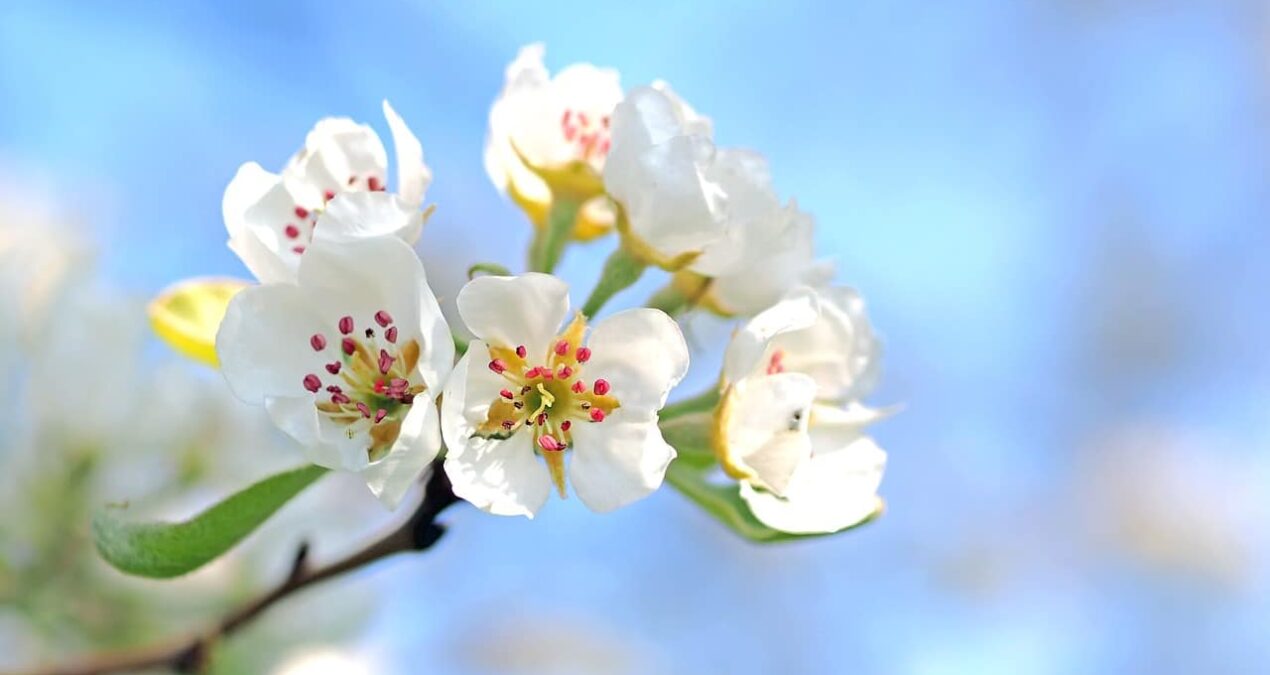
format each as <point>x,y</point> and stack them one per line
<point>348,359</point>
<point>548,134</point>
<point>272,218</point>
<point>661,170</point>
<point>789,426</point>
<point>527,392</point>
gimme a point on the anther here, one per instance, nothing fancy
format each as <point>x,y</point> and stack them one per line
<point>565,372</point>
<point>391,334</point>
<point>549,443</point>
<point>312,383</point>
<point>562,348</point>
<point>363,409</point>
<point>333,367</point>
<point>601,387</point>
<point>348,346</point>
<point>508,424</point>
<point>329,195</point>
<point>521,351</point>
<point>301,212</point>
<point>526,389</point>
<point>346,325</point>
<point>291,231</point>
<point>380,415</point>
<point>519,405</point>
<point>566,425</point>
<point>584,354</point>
<point>533,372</point>
<point>318,342</point>
<point>373,183</point>
<point>542,419</point>
<point>578,387</point>
<point>385,362</point>
<point>408,398</point>
<point>498,365</point>
<point>340,399</point>
<point>298,250</point>
<point>507,394</point>
<point>383,318</point>
<point>597,415</point>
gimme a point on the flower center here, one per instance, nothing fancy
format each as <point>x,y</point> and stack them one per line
<point>371,382</point>
<point>588,134</point>
<point>547,397</point>
<point>298,231</point>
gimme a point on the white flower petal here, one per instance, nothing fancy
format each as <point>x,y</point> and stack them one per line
<point>619,460</point>
<point>831,492</point>
<point>511,311</point>
<point>524,75</point>
<point>500,477</point>
<point>363,215</point>
<point>263,342</point>
<point>332,448</point>
<point>748,349</point>
<point>257,207</point>
<point>337,150</point>
<point>413,175</point>
<point>775,260</point>
<point>642,354</point>
<point>766,430</point>
<point>839,350</point>
<point>392,477</point>
<point>751,213</point>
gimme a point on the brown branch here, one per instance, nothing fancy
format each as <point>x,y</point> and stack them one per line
<point>191,654</point>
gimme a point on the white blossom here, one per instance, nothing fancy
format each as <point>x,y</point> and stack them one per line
<point>272,218</point>
<point>526,393</point>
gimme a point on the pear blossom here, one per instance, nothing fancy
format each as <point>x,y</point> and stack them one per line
<point>348,359</point>
<point>661,170</point>
<point>272,218</point>
<point>766,249</point>
<point>527,392</point>
<point>790,427</point>
<point>541,123</point>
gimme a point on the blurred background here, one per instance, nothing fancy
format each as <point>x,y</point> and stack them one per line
<point>1057,210</point>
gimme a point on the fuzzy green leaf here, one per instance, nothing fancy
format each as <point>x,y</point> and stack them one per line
<point>164,550</point>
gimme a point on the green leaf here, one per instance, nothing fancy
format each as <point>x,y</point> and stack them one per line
<point>164,550</point>
<point>690,475</point>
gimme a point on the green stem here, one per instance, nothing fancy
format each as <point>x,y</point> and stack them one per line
<point>621,271</point>
<point>703,402</point>
<point>669,300</point>
<point>549,243</point>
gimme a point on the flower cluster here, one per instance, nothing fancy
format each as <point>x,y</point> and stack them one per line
<point>345,344</point>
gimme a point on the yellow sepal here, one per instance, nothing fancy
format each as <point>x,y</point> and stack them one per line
<point>187,315</point>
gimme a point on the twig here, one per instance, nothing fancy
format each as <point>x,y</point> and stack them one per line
<point>191,654</point>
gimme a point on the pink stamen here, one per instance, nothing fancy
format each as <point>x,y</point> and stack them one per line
<point>533,372</point>
<point>584,354</point>
<point>391,334</point>
<point>373,183</point>
<point>566,425</point>
<point>385,362</point>
<point>380,415</point>
<point>498,365</point>
<point>346,325</point>
<point>348,346</point>
<point>601,387</point>
<point>507,394</point>
<point>329,195</point>
<point>383,318</point>
<point>579,387</point>
<point>363,409</point>
<point>340,399</point>
<point>562,348</point>
<point>521,351</point>
<point>597,415</point>
<point>408,398</point>
<point>291,231</point>
<point>312,383</point>
<point>318,342</point>
<point>508,424</point>
<point>298,250</point>
<point>333,367</point>
<point>334,389</point>
<point>542,419</point>
<point>565,372</point>
<point>301,212</point>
